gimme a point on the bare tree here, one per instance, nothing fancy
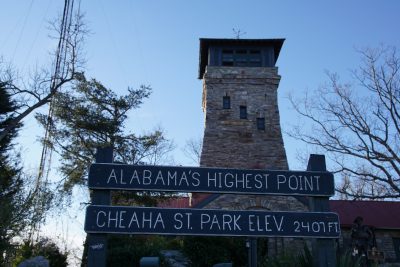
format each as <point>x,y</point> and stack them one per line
<point>358,125</point>
<point>39,89</point>
<point>192,149</point>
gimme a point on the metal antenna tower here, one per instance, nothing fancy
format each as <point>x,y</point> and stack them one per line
<point>59,70</point>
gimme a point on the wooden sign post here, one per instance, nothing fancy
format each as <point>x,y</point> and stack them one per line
<point>323,249</point>
<point>210,180</point>
<point>210,222</point>
<point>103,219</point>
<point>97,242</point>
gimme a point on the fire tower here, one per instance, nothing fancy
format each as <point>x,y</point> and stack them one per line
<point>242,127</point>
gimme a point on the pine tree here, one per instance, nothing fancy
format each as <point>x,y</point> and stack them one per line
<point>92,116</point>
<point>13,208</point>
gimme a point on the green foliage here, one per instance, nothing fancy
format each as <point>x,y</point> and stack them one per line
<point>46,248</point>
<point>11,205</point>
<point>290,259</point>
<point>174,243</point>
<point>128,250</point>
<point>92,116</point>
<point>306,258</point>
<point>283,260</point>
<point>15,206</point>
<point>347,260</point>
<point>206,251</point>
<point>85,118</point>
<point>7,113</point>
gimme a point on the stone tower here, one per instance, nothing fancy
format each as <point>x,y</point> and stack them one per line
<point>240,82</point>
<point>242,127</point>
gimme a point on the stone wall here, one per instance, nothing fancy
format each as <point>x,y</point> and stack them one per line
<point>384,242</point>
<point>232,142</point>
<point>277,203</point>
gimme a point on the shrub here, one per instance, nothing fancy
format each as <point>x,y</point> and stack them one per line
<point>128,250</point>
<point>46,248</point>
<point>206,251</point>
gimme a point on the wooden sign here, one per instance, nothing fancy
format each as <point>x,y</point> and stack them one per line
<point>211,180</point>
<point>208,222</point>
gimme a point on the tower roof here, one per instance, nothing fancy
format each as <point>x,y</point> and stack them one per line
<point>205,44</point>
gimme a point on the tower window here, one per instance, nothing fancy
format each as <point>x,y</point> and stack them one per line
<point>243,112</point>
<point>241,57</point>
<point>227,57</point>
<point>254,58</point>
<point>226,102</point>
<point>261,123</point>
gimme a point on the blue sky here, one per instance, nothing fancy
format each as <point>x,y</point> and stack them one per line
<point>157,43</point>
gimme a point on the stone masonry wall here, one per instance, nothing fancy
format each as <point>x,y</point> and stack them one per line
<point>232,142</point>
<point>278,203</point>
<point>384,242</point>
